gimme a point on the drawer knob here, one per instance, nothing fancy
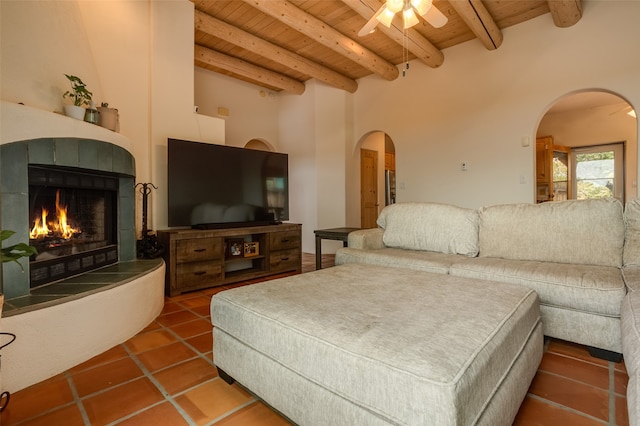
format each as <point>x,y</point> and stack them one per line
<point>285,259</point>
<point>200,273</point>
<point>200,250</point>
<point>285,240</point>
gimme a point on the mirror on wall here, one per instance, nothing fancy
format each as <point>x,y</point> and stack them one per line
<point>586,147</point>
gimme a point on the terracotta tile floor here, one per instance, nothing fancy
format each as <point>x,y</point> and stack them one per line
<point>165,376</point>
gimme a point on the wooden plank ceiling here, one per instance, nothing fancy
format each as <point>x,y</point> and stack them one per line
<point>280,44</point>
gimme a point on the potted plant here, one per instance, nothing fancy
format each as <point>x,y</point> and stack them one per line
<point>80,96</point>
<point>15,252</point>
<point>108,117</point>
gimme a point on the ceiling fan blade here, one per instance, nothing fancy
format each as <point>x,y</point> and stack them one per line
<point>371,23</point>
<point>436,18</point>
<point>624,109</point>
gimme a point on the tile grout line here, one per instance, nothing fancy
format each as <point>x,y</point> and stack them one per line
<point>200,354</point>
<point>149,375</point>
<point>163,391</point>
<point>230,412</point>
<point>565,408</point>
<point>612,395</point>
<point>77,399</point>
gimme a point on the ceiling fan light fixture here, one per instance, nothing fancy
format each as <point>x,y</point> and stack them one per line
<point>436,18</point>
<point>421,6</point>
<point>409,17</point>
<point>386,17</point>
<point>395,5</point>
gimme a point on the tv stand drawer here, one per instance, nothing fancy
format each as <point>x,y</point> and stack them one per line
<point>284,260</point>
<point>196,273</point>
<point>284,240</point>
<point>198,249</point>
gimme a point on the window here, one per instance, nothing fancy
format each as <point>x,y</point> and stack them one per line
<point>598,172</point>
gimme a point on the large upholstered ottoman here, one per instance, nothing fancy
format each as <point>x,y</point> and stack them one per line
<point>368,345</point>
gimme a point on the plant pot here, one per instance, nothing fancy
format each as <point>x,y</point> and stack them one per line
<point>109,118</point>
<point>73,111</point>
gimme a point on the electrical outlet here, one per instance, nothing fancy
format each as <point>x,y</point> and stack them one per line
<point>464,166</point>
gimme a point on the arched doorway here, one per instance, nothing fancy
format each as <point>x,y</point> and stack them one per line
<point>259,145</point>
<point>586,147</point>
<point>377,176</point>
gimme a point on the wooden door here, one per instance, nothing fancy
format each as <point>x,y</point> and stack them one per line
<point>368,188</point>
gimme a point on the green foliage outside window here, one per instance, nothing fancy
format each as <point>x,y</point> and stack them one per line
<point>588,188</point>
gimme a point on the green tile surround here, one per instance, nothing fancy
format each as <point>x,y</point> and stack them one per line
<point>88,154</point>
<point>80,286</point>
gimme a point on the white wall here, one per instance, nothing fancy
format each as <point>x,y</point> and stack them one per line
<point>40,42</point>
<point>253,111</point>
<point>330,140</point>
<point>479,104</point>
<point>172,88</point>
<point>296,130</point>
<point>135,55</point>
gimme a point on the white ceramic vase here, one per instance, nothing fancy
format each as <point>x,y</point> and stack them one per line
<point>73,111</point>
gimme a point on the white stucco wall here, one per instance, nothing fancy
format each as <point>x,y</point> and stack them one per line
<point>135,55</point>
<point>253,110</point>
<point>479,104</point>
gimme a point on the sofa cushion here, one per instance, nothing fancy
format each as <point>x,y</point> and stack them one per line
<point>631,255</point>
<point>587,232</point>
<point>427,261</point>
<point>586,288</point>
<point>431,227</point>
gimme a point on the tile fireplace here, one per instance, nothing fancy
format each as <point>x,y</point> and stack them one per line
<point>83,185</point>
<point>64,323</point>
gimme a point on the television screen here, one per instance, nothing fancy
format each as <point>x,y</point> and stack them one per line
<point>212,186</point>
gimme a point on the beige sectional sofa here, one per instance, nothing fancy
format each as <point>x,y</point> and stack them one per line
<point>572,253</point>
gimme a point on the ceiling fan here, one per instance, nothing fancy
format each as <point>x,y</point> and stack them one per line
<point>409,8</point>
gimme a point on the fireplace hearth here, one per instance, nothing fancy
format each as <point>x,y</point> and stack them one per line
<point>73,222</point>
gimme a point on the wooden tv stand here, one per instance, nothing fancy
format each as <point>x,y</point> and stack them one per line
<point>197,259</point>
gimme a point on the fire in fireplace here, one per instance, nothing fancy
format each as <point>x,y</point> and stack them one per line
<point>73,222</point>
<point>57,227</point>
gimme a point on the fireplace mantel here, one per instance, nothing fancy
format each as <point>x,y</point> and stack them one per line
<point>21,123</point>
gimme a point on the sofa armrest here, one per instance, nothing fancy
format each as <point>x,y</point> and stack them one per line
<point>367,239</point>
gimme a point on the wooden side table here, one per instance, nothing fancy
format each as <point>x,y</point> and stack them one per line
<point>340,234</point>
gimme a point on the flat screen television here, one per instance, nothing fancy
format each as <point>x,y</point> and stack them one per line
<point>219,186</point>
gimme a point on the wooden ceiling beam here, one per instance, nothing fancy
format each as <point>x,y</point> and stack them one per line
<point>565,13</point>
<point>220,29</point>
<point>479,21</point>
<point>250,71</point>
<point>418,45</point>
<point>313,27</point>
